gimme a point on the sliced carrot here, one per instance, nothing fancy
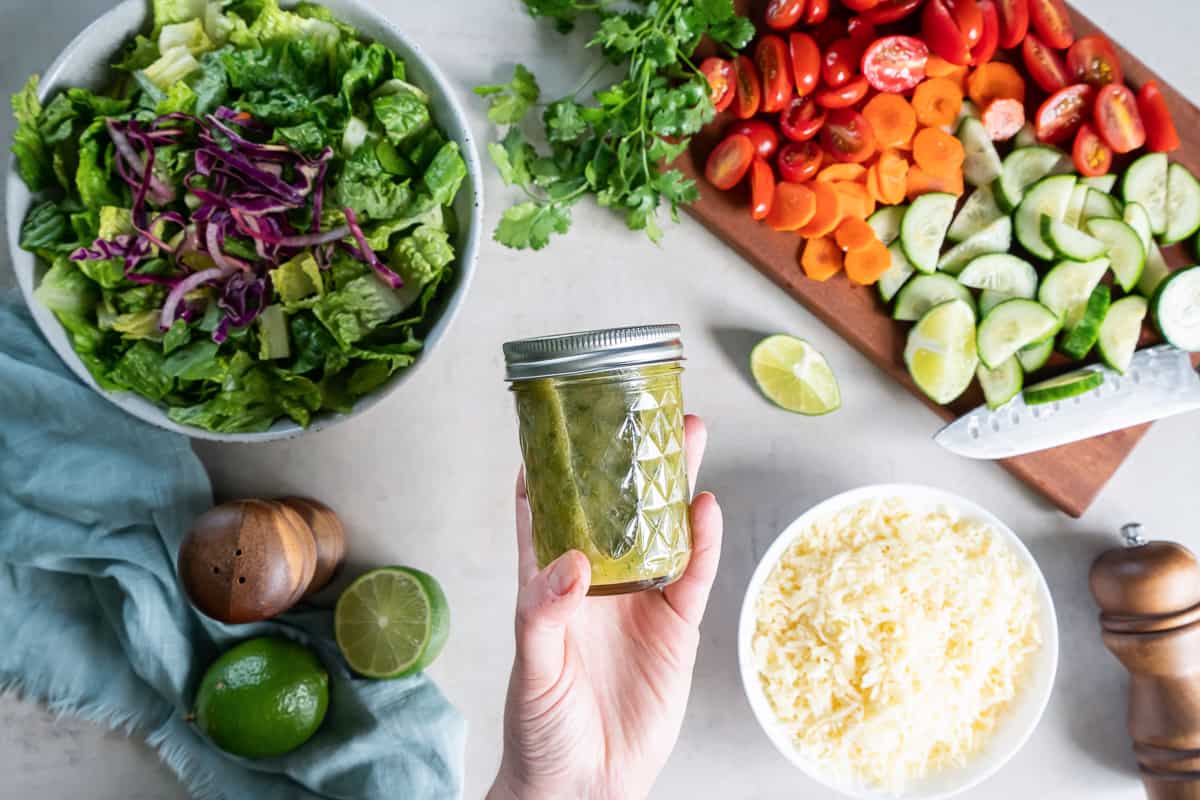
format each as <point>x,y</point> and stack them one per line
<point>892,118</point>
<point>792,206</point>
<point>856,201</point>
<point>1003,118</point>
<point>993,81</point>
<point>830,208</point>
<point>938,67</point>
<point>938,153</point>
<point>866,265</point>
<point>920,182</point>
<point>854,234</point>
<point>842,172</point>
<point>822,259</point>
<point>873,187</point>
<point>893,175</point>
<point>938,102</point>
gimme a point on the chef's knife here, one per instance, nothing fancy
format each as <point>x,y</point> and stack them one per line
<point>1160,382</point>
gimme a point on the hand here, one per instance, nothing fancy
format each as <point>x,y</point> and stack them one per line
<point>599,685</point>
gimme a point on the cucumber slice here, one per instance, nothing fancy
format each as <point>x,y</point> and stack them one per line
<point>1001,384</point>
<point>1125,250</point>
<point>1121,330</point>
<point>1027,136</point>
<point>1075,206</point>
<point>1100,206</point>
<point>1063,387</point>
<point>1066,288</point>
<point>1023,167</point>
<point>1176,309</point>
<point>989,299</point>
<point>1145,183</point>
<point>979,211</point>
<point>923,229</point>
<point>1101,183</point>
<point>923,292</point>
<point>1012,325</point>
<point>1183,204</point>
<point>1080,340</point>
<point>886,223</point>
<point>995,238</point>
<point>969,110</point>
<point>1048,197</point>
<point>982,164</point>
<point>940,352</point>
<point>1001,273</point>
<point>1136,217</point>
<point>897,275</point>
<point>1155,273</point>
<point>1070,242</point>
<point>1034,356</point>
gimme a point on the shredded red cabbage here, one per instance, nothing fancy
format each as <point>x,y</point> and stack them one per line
<point>365,252</point>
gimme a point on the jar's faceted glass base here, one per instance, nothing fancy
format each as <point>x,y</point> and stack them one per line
<point>629,587</point>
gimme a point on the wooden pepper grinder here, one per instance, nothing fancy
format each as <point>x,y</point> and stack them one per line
<point>1149,598</point>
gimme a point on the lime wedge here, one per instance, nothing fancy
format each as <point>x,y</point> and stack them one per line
<point>794,376</point>
<point>391,622</point>
<point>940,353</point>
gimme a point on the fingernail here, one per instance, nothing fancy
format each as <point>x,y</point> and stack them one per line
<point>562,576</point>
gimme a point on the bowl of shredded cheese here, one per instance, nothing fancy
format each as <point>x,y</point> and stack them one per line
<point>898,641</point>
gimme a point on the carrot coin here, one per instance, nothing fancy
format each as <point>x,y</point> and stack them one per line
<point>938,102</point>
<point>821,259</point>
<point>938,153</point>
<point>892,119</point>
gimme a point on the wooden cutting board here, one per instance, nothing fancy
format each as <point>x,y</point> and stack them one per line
<point>1070,476</point>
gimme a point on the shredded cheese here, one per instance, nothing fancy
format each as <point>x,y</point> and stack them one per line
<point>890,640</point>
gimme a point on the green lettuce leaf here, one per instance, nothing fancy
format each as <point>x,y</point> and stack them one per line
<point>420,257</point>
<point>33,160</point>
<point>307,137</point>
<point>445,174</point>
<point>66,290</point>
<point>173,65</point>
<point>402,115</point>
<point>313,347</point>
<point>180,98</point>
<point>251,399</point>
<point>95,170</point>
<point>352,312</point>
<point>138,54</point>
<point>368,190</point>
<point>176,336</point>
<point>47,228</point>
<point>297,279</point>
<point>195,362</point>
<point>140,370</point>
<point>169,12</point>
<point>137,325</point>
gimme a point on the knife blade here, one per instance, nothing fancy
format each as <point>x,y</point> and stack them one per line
<point>1160,382</point>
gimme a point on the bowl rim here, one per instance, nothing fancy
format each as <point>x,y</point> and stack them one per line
<point>457,127</point>
<point>1046,658</point>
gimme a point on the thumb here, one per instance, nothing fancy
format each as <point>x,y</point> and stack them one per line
<point>545,605</point>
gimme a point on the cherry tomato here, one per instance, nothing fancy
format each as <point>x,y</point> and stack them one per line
<point>1161,135</point>
<point>806,62</point>
<point>762,188</point>
<point>1044,65</point>
<point>1093,60</point>
<point>760,133</point>
<point>860,5</point>
<point>843,96</point>
<point>802,119</point>
<point>783,14</point>
<point>719,73</point>
<point>1014,22</point>
<point>830,31</point>
<point>1052,22</point>
<point>989,41</point>
<point>890,11</point>
<point>1092,156</point>
<point>749,90</point>
<point>895,63</point>
<point>771,57</point>
<point>1003,118</point>
<point>968,18</point>
<point>861,32</point>
<point>847,136</point>
<point>839,64</point>
<point>799,161</point>
<point>729,160</point>
<point>1118,119</point>
<point>941,32</point>
<point>1063,112</point>
<point>817,12</point>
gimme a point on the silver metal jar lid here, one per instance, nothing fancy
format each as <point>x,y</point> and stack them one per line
<point>591,351</point>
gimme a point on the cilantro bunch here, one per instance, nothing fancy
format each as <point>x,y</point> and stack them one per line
<point>614,147</point>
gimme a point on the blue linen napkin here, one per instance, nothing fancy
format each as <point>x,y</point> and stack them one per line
<point>93,505</point>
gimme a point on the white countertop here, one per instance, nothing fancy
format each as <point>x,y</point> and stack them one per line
<point>425,478</point>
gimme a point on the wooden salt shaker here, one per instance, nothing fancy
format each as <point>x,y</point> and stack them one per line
<point>1149,598</point>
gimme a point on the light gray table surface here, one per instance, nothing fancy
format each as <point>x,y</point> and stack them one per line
<point>426,477</point>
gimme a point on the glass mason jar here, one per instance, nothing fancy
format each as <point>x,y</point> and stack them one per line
<point>601,429</point>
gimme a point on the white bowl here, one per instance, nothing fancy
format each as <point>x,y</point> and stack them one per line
<point>1017,724</point>
<point>85,62</point>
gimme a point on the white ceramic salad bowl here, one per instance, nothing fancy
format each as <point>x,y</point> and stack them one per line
<point>85,62</point>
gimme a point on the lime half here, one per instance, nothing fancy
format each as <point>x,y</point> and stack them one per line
<point>391,622</point>
<point>794,376</point>
<point>941,354</point>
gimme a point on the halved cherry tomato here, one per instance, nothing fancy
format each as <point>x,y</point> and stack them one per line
<point>968,18</point>
<point>847,136</point>
<point>989,40</point>
<point>861,32</point>
<point>1092,156</point>
<point>783,14</point>
<point>806,62</point>
<point>1044,65</point>
<point>1063,112</point>
<point>761,134</point>
<point>843,96</point>
<point>729,160</point>
<point>1118,119</point>
<point>719,73</point>
<point>817,12</point>
<point>771,57</point>
<point>1093,60</point>
<point>895,63</point>
<point>762,188</point>
<point>1052,22</point>
<point>1014,22</point>
<point>941,32</point>
<point>1161,135</point>
<point>749,90</point>
<point>839,63</point>
<point>802,119</point>
<point>890,11</point>
<point>860,5</point>
<point>799,161</point>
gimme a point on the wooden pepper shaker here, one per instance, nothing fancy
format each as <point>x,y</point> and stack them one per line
<point>1149,598</point>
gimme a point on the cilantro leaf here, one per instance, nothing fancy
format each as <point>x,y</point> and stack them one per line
<point>508,103</point>
<point>531,224</point>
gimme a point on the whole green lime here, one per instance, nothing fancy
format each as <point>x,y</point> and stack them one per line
<point>263,698</point>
